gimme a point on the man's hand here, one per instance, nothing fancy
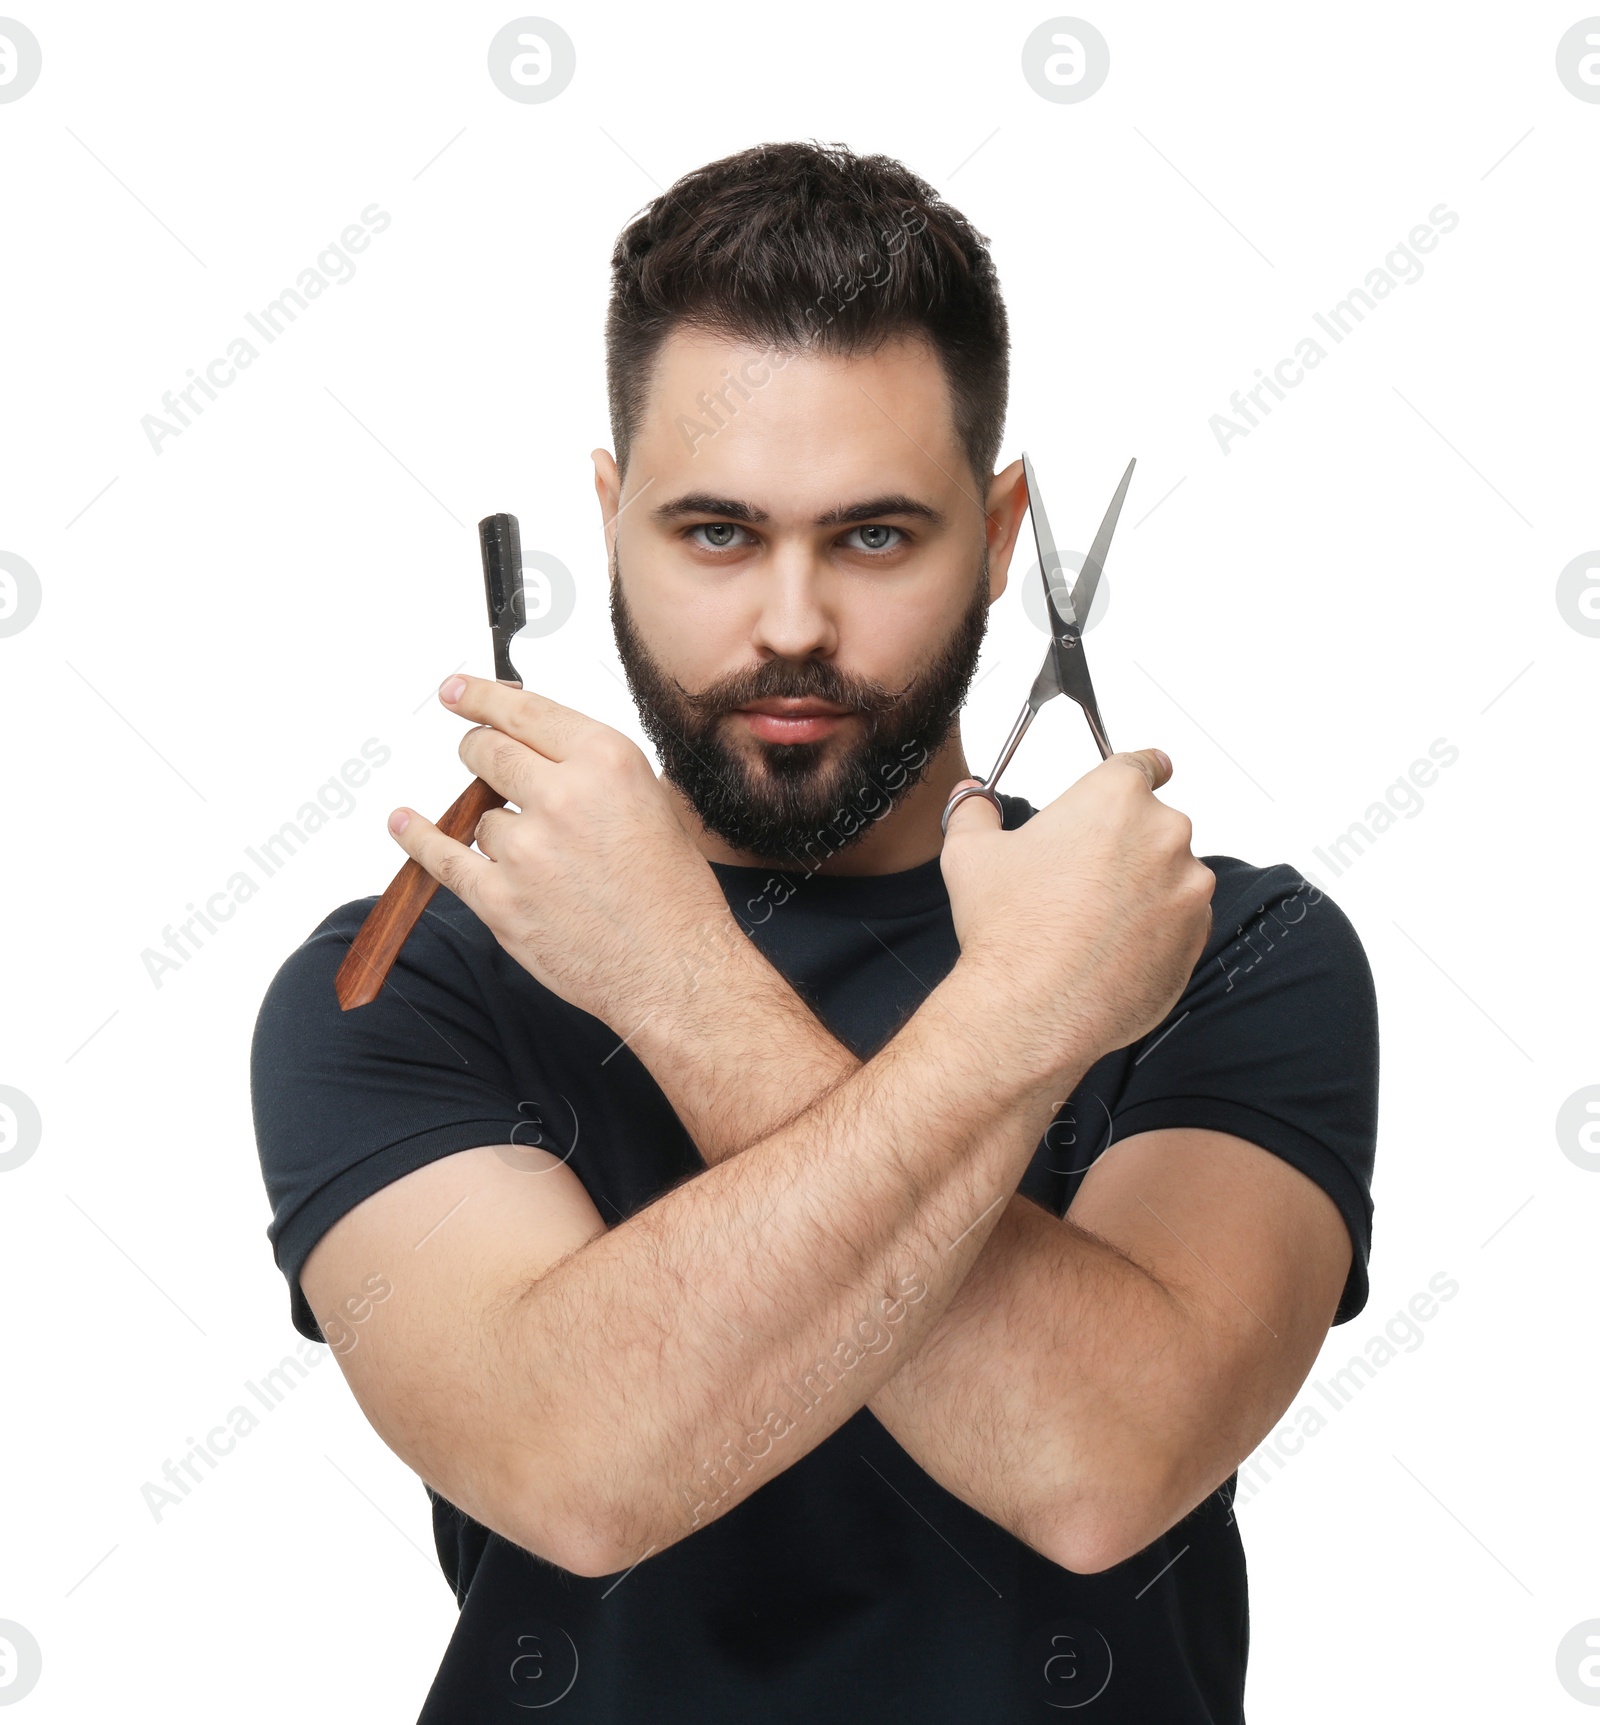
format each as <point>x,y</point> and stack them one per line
<point>1092,916</point>
<point>594,887</point>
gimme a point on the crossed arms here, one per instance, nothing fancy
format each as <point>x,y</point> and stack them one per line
<point>595,1394</point>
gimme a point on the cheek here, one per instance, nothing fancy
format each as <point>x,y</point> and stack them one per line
<point>890,635</point>
<point>693,627</point>
<point>696,629</point>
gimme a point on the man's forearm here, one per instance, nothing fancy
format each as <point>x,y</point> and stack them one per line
<point>734,1049</point>
<point>1048,1396</point>
<point>739,1053</point>
<point>1067,1391</point>
<point>708,1342</point>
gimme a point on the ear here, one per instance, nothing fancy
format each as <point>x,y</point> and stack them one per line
<point>608,488</point>
<point>1005,507</point>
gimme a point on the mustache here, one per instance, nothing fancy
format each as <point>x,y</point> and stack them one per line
<point>790,679</point>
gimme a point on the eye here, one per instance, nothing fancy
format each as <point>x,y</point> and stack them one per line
<point>875,538</point>
<point>720,535</point>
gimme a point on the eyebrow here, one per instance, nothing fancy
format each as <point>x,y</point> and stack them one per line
<point>845,514</point>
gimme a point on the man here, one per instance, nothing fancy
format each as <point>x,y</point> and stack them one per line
<point>820,1270</point>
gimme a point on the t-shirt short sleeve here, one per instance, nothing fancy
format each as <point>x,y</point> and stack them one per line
<point>1275,1041</point>
<point>347,1102</point>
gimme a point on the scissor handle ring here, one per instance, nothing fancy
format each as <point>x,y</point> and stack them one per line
<point>961,796</point>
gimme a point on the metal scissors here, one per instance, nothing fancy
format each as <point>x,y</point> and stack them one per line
<point>1065,670</point>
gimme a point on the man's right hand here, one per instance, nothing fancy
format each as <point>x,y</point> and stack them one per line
<point>1088,920</point>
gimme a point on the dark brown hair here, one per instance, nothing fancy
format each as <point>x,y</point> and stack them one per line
<point>807,245</point>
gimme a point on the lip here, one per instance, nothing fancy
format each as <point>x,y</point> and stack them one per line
<point>793,707</point>
<point>792,720</point>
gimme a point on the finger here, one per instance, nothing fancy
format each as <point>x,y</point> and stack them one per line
<point>491,831</point>
<point>971,814</point>
<point>450,863</point>
<point>1151,763</point>
<point>534,719</point>
<point>511,767</point>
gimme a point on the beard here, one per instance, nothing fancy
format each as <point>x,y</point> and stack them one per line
<point>780,800</point>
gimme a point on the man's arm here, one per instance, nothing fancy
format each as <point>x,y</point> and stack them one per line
<point>1120,1363</point>
<point>1117,1365</point>
<point>1133,1354</point>
<point>1076,1394</point>
<point>604,1407</point>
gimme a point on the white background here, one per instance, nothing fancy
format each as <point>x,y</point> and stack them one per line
<point>224,623</point>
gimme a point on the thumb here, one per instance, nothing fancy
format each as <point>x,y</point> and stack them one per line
<point>971,814</point>
<point>1153,764</point>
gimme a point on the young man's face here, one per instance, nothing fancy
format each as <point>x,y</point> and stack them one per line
<point>801,574</point>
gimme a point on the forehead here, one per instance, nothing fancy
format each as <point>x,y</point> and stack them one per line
<point>738,419</point>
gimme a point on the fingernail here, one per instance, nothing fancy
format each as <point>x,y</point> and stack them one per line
<point>398,822</point>
<point>453,690</point>
<point>1162,755</point>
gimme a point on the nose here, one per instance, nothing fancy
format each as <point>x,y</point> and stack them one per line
<point>794,606</point>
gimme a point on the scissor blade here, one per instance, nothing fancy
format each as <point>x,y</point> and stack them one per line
<point>1089,576</point>
<point>1057,594</point>
<point>1066,670</point>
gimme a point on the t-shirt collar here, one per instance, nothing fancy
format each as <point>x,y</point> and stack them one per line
<point>906,892</point>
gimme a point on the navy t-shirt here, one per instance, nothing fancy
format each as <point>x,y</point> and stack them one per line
<point>851,1587</point>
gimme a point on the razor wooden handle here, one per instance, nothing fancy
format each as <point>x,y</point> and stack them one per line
<point>372,953</point>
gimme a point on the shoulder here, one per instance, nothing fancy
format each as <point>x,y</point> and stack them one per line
<point>343,1103</point>
<point>450,995</point>
<point>449,948</point>
<point>1257,911</point>
<point>1274,1040</point>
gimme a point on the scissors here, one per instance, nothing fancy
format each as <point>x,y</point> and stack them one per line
<point>1065,671</point>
